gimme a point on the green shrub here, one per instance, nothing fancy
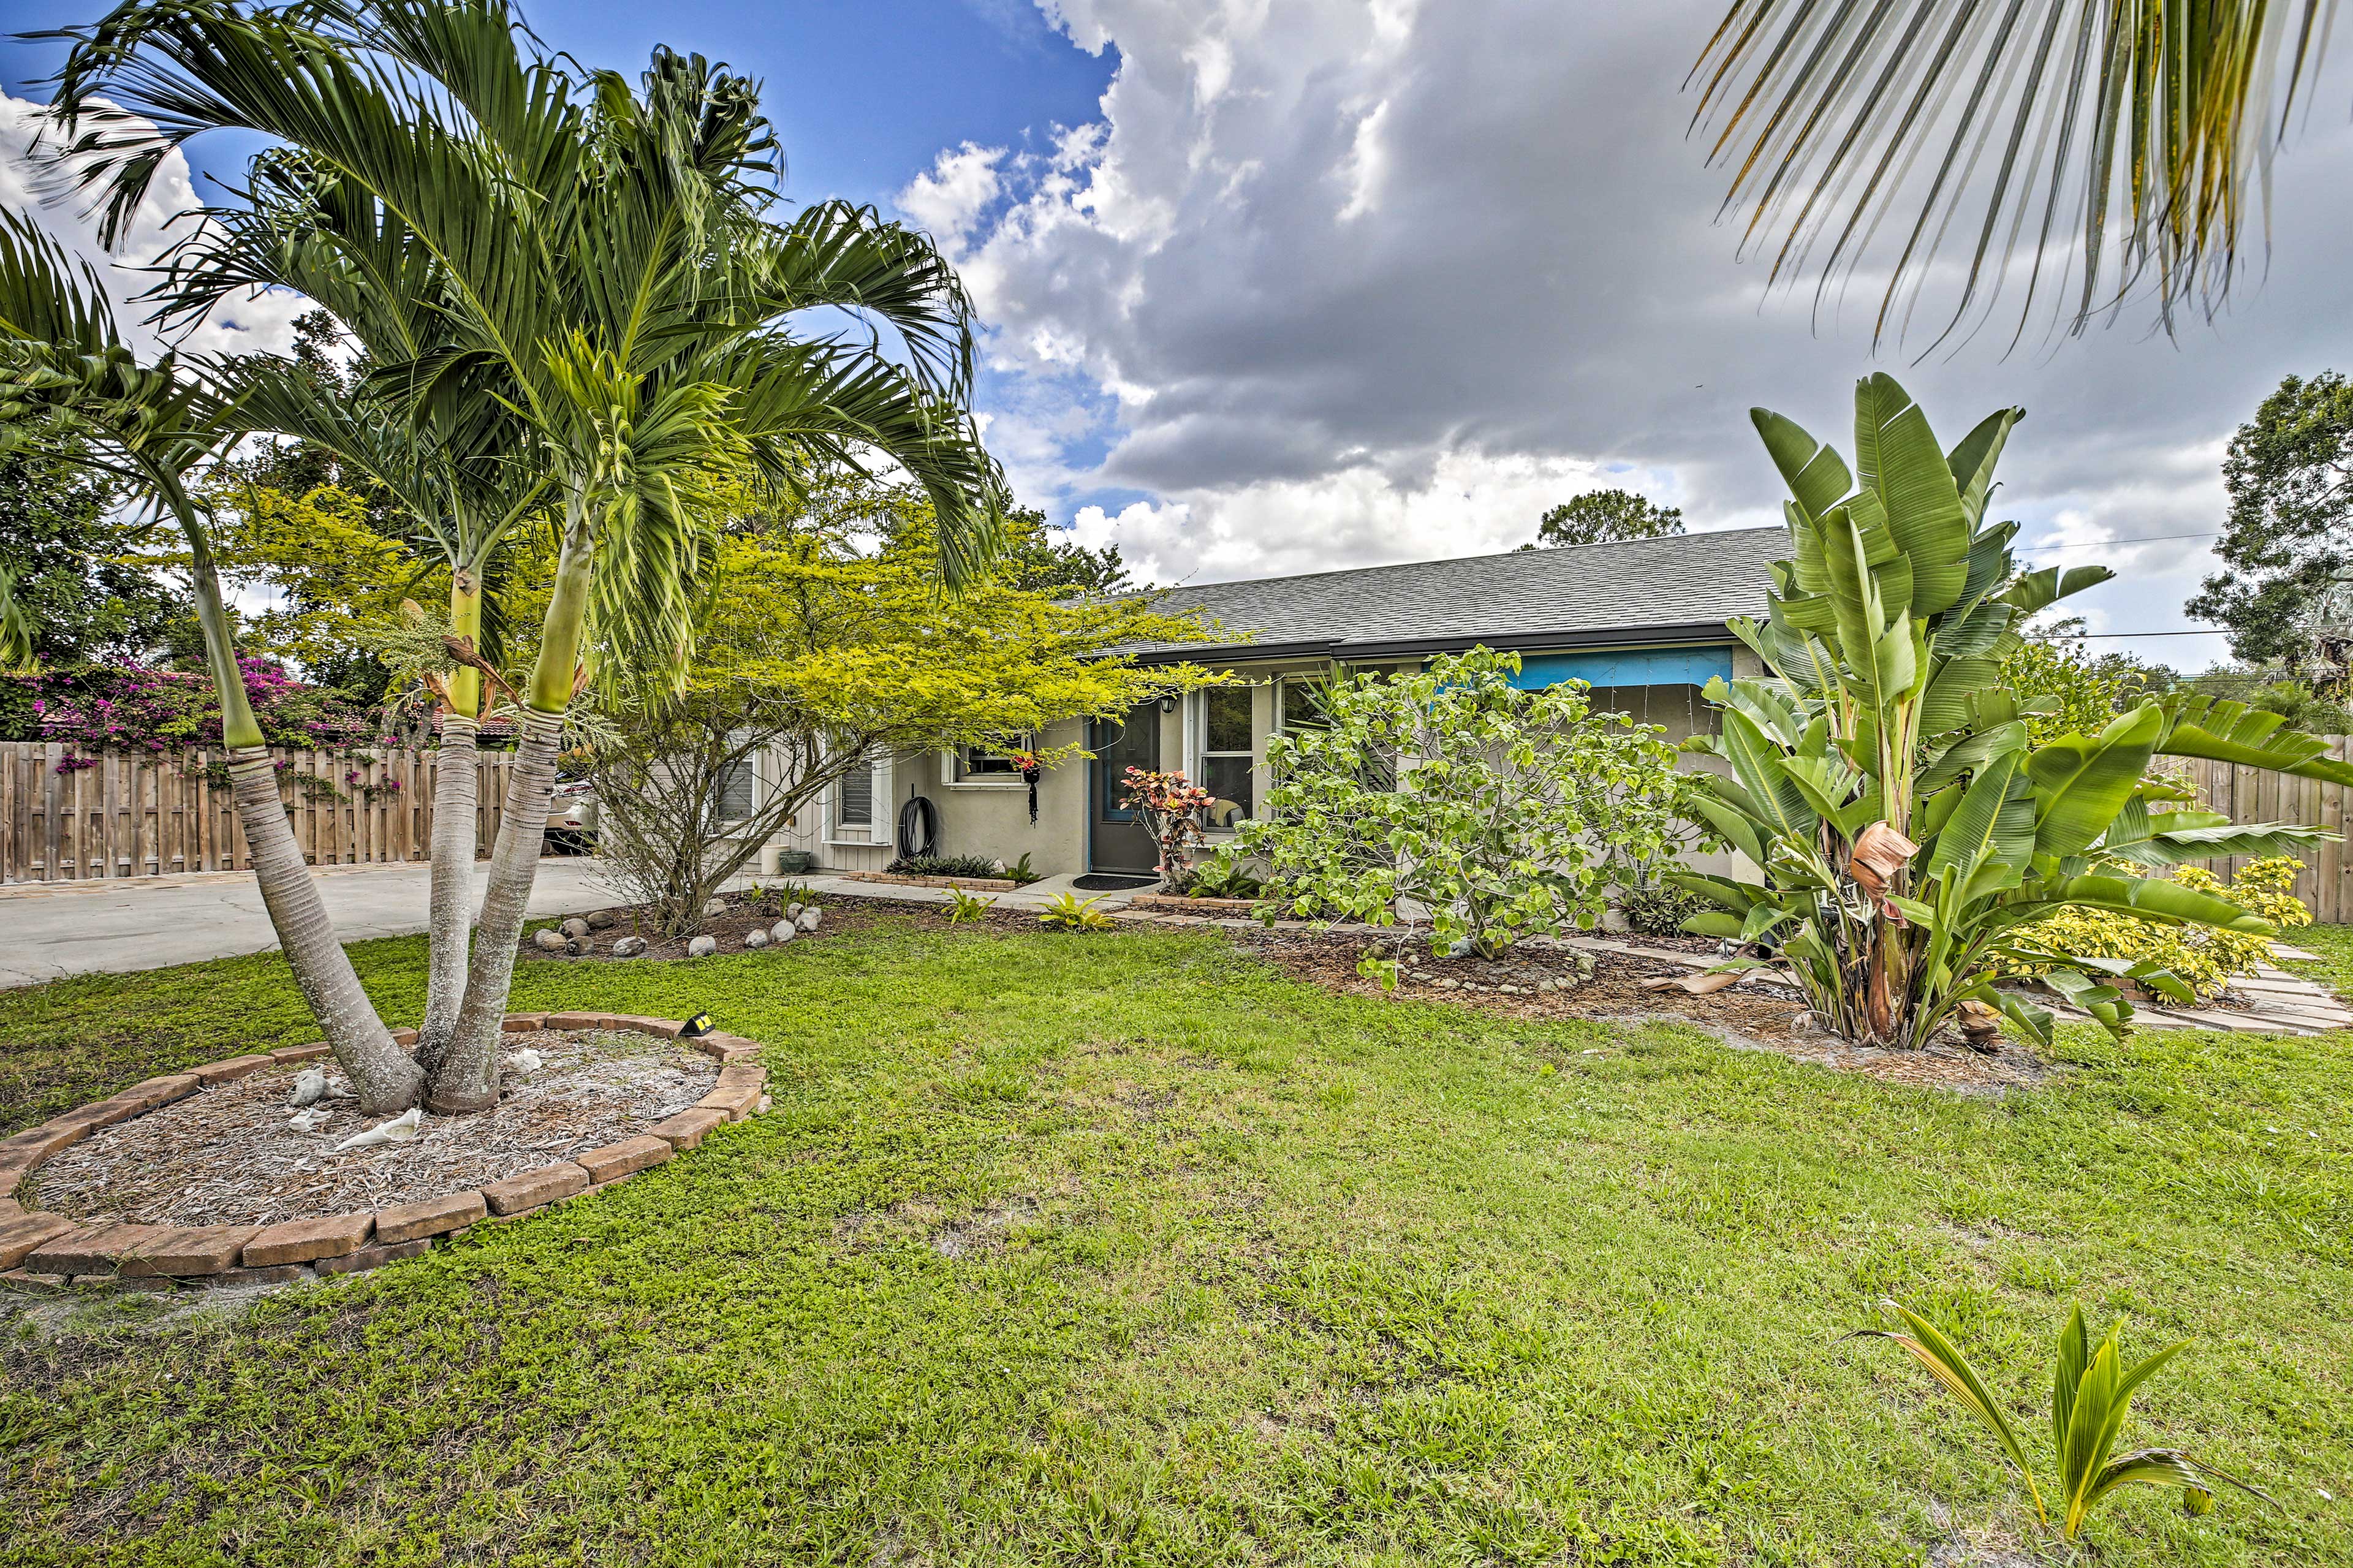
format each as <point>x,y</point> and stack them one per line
<point>2204,956</point>
<point>1220,877</point>
<point>1658,909</point>
<point>1068,911</point>
<point>974,866</point>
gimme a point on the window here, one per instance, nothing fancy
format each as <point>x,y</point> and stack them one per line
<point>1226,755</point>
<point>1303,705</point>
<point>739,784</point>
<point>855,798</point>
<point>989,764</point>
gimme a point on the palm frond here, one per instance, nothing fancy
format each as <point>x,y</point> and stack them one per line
<point>2082,153</point>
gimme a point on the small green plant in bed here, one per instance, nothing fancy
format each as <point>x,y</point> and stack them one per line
<point>964,907</point>
<point>1658,909</point>
<point>1220,878</point>
<point>1068,911</point>
<point>2091,1393</point>
<point>973,866</point>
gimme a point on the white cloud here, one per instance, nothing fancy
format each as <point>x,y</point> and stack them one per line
<point>1331,283</point>
<point>237,326</point>
<point>948,200</point>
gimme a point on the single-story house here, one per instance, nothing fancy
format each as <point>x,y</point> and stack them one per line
<point>1643,621</point>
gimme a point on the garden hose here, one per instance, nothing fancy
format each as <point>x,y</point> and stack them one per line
<point>918,816</point>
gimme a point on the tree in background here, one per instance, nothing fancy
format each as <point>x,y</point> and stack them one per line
<point>2084,690</point>
<point>815,660</point>
<point>78,559</point>
<point>1604,517</point>
<point>2287,597</point>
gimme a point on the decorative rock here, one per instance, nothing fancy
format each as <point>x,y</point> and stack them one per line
<point>19,1236</point>
<point>578,946</point>
<point>187,1251</point>
<point>808,919</point>
<point>310,1088</point>
<point>714,909</point>
<point>602,919</point>
<point>373,1256</point>
<point>548,941</point>
<point>702,947</point>
<point>535,1189</point>
<point>782,931</point>
<point>755,940</point>
<point>617,1159</point>
<point>301,1240</point>
<point>630,947</point>
<point>575,927</point>
<point>793,910</point>
<point>685,1129</point>
<point>427,1217</point>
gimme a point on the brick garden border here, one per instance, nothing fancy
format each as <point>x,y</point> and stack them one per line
<point>39,1248</point>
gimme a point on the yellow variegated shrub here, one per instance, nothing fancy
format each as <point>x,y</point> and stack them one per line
<point>2204,956</point>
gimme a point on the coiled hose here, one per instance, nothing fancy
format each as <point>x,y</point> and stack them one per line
<point>918,816</point>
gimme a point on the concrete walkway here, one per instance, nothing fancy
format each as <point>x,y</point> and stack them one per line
<point>48,930</point>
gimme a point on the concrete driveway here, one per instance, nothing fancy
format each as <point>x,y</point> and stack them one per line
<point>52,928</point>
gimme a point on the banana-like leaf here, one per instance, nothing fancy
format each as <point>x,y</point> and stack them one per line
<point>1972,752</point>
<point>2225,732</point>
<point>1993,822</point>
<point>1945,705</point>
<point>2154,899</point>
<point>1716,922</point>
<point>1756,764</point>
<point>1972,464</point>
<point>1816,475</point>
<point>1735,827</point>
<point>1737,897</point>
<point>1825,781</point>
<point>2172,846</point>
<point>2031,1021</point>
<point>2103,1002</point>
<point>2082,782</point>
<point>2037,591</point>
<point>1897,458</point>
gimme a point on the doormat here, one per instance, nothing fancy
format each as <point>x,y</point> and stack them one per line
<point>1105,882</point>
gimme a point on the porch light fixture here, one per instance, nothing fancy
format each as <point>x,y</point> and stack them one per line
<point>1169,705</point>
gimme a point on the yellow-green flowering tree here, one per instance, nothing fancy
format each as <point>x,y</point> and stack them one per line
<point>814,659</point>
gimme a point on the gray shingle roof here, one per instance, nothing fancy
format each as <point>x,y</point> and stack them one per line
<point>1583,594</point>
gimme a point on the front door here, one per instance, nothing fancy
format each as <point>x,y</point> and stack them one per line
<point>1116,841</point>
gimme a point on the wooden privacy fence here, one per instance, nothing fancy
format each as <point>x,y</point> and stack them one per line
<point>153,814</point>
<point>2258,794</point>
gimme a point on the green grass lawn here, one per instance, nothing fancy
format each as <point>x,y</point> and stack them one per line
<point>1245,1273</point>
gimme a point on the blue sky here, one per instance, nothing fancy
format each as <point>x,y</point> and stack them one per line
<point>1292,285</point>
<point>864,92</point>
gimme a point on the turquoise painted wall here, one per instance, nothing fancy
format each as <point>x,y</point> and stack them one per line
<point>1627,667</point>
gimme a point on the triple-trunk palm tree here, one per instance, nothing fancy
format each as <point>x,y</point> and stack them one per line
<point>575,304</point>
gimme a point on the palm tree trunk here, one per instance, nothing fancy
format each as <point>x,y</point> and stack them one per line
<point>455,799</point>
<point>386,1080</point>
<point>468,1078</point>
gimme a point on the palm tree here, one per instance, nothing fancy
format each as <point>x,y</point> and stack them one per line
<point>2081,150</point>
<point>65,375</point>
<point>603,267</point>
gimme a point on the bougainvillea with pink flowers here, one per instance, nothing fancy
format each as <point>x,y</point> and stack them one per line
<point>131,708</point>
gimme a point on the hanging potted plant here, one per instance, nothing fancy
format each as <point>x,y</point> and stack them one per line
<point>1028,764</point>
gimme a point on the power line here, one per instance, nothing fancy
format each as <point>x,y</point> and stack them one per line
<point>2100,544</point>
<point>2080,637</point>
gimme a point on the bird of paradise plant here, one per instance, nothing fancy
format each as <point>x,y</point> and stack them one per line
<point>1908,835</point>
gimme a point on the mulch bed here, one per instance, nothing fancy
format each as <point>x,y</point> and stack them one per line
<point>228,1156</point>
<point>1752,1016</point>
<point>1757,1016</point>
